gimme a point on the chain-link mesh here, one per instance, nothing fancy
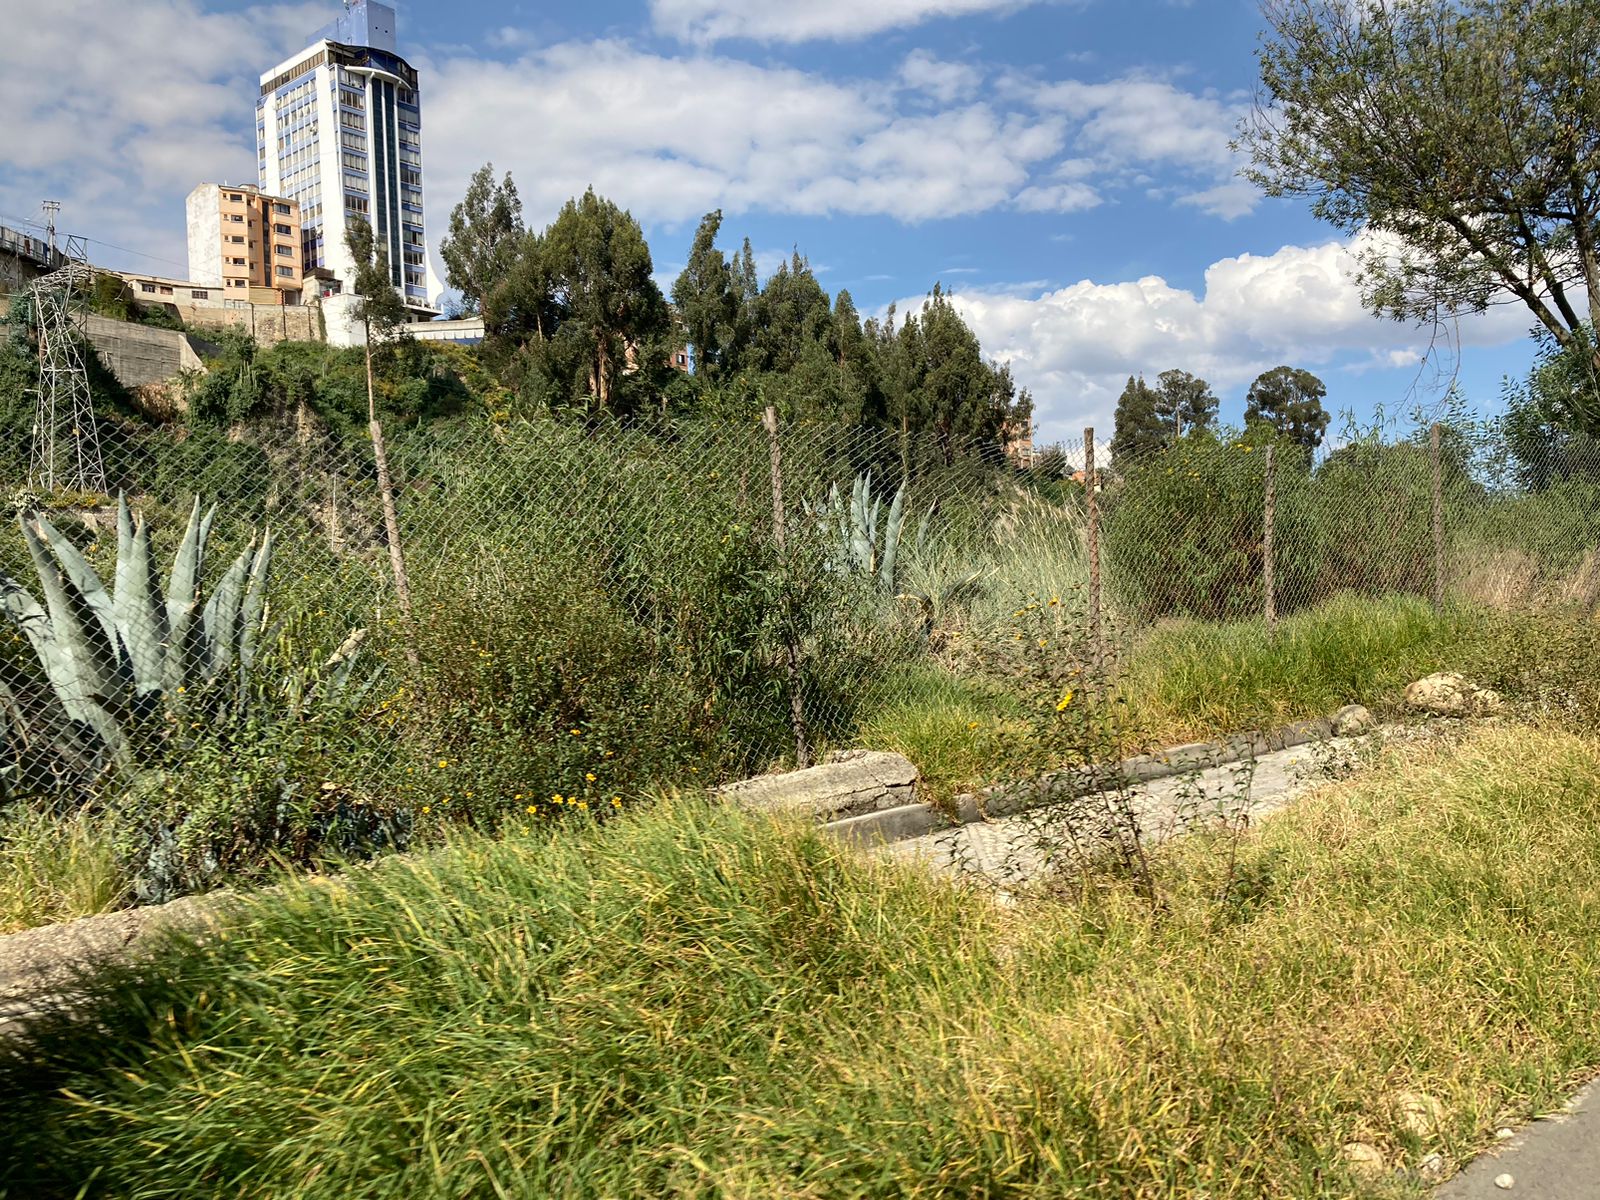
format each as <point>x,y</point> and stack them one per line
<point>595,610</point>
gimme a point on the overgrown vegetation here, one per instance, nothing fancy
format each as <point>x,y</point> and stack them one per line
<point>688,1001</point>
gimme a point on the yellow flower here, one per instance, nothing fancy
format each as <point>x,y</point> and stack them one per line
<point>583,804</point>
<point>972,724</point>
<point>427,808</point>
<point>555,798</point>
<point>616,801</point>
<point>533,808</point>
<point>1066,699</point>
<point>577,733</point>
<point>1043,643</point>
<point>589,776</point>
<point>443,763</point>
<point>1054,600</point>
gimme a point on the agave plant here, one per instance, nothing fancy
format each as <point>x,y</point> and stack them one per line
<point>114,658</point>
<point>863,546</point>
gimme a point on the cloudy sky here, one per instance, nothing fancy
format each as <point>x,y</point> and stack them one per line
<point>1062,165</point>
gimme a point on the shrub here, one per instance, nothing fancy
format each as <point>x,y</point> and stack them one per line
<point>1184,531</point>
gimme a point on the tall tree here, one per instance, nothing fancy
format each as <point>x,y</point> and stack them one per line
<point>946,387</point>
<point>1184,403</point>
<point>596,255</point>
<point>1466,133</point>
<point>485,237</point>
<point>707,302</point>
<point>1289,400</point>
<point>382,315</point>
<point>1138,431</point>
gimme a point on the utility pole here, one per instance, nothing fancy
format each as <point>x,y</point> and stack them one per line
<point>51,208</point>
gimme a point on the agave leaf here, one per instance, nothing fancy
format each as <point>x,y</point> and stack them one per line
<point>891,537</point>
<point>78,635</point>
<point>220,621</point>
<point>60,665</point>
<point>183,592</point>
<point>860,545</point>
<point>922,530</point>
<point>254,605</point>
<point>141,613</point>
<point>101,633</point>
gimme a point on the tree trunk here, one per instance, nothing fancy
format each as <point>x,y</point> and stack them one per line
<point>391,518</point>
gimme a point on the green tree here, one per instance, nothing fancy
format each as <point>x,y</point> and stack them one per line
<point>1543,427</point>
<point>596,257</point>
<point>707,302</point>
<point>945,386</point>
<point>1466,133</point>
<point>485,237</point>
<point>1290,401</point>
<point>1137,430</point>
<point>1184,403</point>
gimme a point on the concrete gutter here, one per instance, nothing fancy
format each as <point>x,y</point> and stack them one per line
<point>920,819</point>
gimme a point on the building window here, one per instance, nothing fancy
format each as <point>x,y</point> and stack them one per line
<point>283,230</point>
<point>147,287</point>
<point>236,240</point>
<point>199,294</point>
<point>286,272</point>
<point>166,291</point>
<point>235,217</point>
<point>236,283</point>
<point>285,251</point>
<point>281,209</point>
<point>236,197</point>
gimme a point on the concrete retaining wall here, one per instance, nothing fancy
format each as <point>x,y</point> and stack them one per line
<point>139,355</point>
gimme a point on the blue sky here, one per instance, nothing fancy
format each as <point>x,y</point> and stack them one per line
<point>1063,166</point>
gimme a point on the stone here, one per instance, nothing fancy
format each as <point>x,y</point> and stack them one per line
<point>1449,694</point>
<point>1420,1113</point>
<point>859,782</point>
<point>1433,1168</point>
<point>1504,1134</point>
<point>1363,1160</point>
<point>1504,1182</point>
<point>1351,720</point>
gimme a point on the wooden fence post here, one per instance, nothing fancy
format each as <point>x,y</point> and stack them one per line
<point>791,645</point>
<point>1269,516</point>
<point>1092,504</point>
<point>1438,518</point>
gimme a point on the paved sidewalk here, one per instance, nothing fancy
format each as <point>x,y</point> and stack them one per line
<point>1555,1158</point>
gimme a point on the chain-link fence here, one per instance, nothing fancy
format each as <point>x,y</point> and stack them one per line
<point>571,614</point>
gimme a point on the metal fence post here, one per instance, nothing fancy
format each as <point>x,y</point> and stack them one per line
<point>791,645</point>
<point>1269,519</point>
<point>1092,504</point>
<point>1438,518</point>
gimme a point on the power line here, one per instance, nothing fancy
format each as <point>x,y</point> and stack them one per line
<point>11,217</point>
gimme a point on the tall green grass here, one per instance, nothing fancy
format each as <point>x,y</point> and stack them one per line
<point>1194,678</point>
<point>692,1002</point>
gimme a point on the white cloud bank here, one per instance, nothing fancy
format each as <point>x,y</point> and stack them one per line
<point>1075,347</point>
<point>705,21</point>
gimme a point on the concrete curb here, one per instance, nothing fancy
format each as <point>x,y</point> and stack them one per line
<point>920,819</point>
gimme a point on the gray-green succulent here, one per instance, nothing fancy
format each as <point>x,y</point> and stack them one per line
<point>115,658</point>
<point>864,543</point>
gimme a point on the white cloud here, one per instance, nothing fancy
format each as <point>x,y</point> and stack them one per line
<point>672,137</point>
<point>1075,347</point>
<point>705,21</point>
<point>118,110</point>
<point>943,80</point>
<point>1127,126</point>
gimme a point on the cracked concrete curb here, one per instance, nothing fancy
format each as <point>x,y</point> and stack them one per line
<point>920,818</point>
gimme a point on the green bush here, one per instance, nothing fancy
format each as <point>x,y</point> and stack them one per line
<point>1184,531</point>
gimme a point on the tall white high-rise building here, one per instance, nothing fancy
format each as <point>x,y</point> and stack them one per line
<point>339,131</point>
